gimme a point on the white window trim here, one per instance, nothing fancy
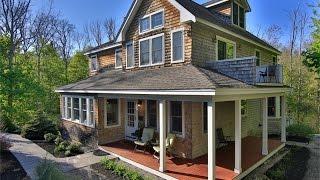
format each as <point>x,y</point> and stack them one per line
<point>169,120</point>
<point>150,23</point>
<point>115,58</point>
<point>146,114</point>
<point>183,45</point>
<point>255,54</point>
<point>219,38</point>
<point>245,24</point>
<point>80,110</point>
<point>105,114</point>
<point>130,42</point>
<point>150,50</point>
<point>96,58</point>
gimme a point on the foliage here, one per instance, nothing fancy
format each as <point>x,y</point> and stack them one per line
<point>73,149</point>
<point>48,170</point>
<point>49,137</point>
<point>58,140</point>
<point>37,128</point>
<point>78,67</point>
<point>120,169</point>
<point>4,144</point>
<point>62,147</point>
<point>299,129</point>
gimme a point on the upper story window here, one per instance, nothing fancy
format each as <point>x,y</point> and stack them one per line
<point>177,46</point>
<point>94,63</point>
<point>118,58</point>
<point>238,15</point>
<point>226,49</point>
<point>258,56</point>
<point>151,50</point>
<point>130,55</point>
<point>152,21</point>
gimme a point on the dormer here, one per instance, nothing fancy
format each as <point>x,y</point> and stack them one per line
<point>234,9</point>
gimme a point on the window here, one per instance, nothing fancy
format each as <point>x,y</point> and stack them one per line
<point>205,116</point>
<point>79,110</point>
<point>176,117</point>
<point>130,55</point>
<point>118,60</point>
<point>243,107</point>
<point>131,113</point>
<point>226,49</point>
<point>94,63</point>
<point>144,24</point>
<point>152,114</point>
<point>83,110</point>
<point>151,21</point>
<point>271,107</point>
<point>238,15</point>
<point>258,56</point>
<point>274,60</point>
<point>64,106</point>
<point>177,46</point>
<point>152,51</point>
<point>112,112</point>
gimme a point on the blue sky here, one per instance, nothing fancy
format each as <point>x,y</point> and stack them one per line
<point>264,12</point>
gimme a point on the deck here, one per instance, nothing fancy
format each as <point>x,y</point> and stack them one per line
<point>197,168</point>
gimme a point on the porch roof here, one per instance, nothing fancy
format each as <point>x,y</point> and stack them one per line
<point>186,77</point>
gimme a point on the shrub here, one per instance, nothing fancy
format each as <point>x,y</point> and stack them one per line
<point>73,149</point>
<point>48,170</point>
<point>62,147</point>
<point>301,130</point>
<point>133,175</point>
<point>37,128</point>
<point>49,137</point>
<point>58,140</point>
<point>108,164</point>
<point>4,144</point>
<point>120,170</point>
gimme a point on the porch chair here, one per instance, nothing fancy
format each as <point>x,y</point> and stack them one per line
<point>264,75</point>
<point>221,139</point>
<point>169,145</point>
<point>147,136</point>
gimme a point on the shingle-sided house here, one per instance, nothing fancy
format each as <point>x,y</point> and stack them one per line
<point>189,70</point>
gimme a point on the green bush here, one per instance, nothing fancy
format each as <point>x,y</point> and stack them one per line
<point>48,170</point>
<point>73,149</point>
<point>37,128</point>
<point>62,147</point>
<point>108,164</point>
<point>298,129</point>
<point>58,140</point>
<point>49,137</point>
<point>120,170</point>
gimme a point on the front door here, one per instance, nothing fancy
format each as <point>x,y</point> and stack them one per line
<point>131,119</point>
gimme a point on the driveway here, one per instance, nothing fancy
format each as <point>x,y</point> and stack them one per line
<point>313,170</point>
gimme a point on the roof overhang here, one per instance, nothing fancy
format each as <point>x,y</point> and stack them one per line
<point>248,8</point>
<point>185,16</point>
<point>190,92</point>
<point>117,44</point>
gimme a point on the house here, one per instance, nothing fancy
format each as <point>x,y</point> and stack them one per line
<point>186,69</point>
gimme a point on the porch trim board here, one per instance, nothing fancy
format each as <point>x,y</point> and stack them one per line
<point>140,166</point>
<point>259,163</point>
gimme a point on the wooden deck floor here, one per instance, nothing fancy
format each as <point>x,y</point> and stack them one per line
<point>197,168</point>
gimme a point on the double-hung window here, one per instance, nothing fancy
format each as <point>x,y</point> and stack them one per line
<point>130,55</point>
<point>118,58</point>
<point>76,109</point>
<point>91,113</point>
<point>238,15</point>
<point>112,112</point>
<point>94,63</point>
<point>226,49</point>
<point>176,121</point>
<point>152,114</point>
<point>83,110</point>
<point>152,21</point>
<point>177,43</point>
<point>152,51</point>
<point>69,108</point>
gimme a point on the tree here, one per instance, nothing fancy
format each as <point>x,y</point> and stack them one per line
<point>78,67</point>
<point>110,28</point>
<point>95,31</point>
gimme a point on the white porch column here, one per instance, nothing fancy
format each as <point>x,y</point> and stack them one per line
<point>211,141</point>
<point>163,122</point>
<point>265,126</point>
<point>283,119</point>
<point>237,163</point>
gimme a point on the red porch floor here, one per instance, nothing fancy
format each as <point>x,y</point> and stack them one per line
<point>197,168</point>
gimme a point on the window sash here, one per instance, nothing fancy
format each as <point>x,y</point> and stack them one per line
<point>112,112</point>
<point>94,63</point>
<point>144,24</point>
<point>130,55</point>
<point>157,50</point>
<point>271,107</point>
<point>241,17</point>
<point>177,46</point>
<point>176,117</point>
<point>226,50</point>
<point>150,52</point>
<point>235,14</point>
<point>118,57</point>
<point>152,114</point>
<point>157,20</point>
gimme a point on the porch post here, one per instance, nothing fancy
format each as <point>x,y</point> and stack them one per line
<point>265,126</point>
<point>237,165</point>
<point>163,122</point>
<point>283,119</point>
<point>211,140</point>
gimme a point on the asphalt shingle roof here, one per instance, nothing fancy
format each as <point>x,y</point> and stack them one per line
<point>168,78</point>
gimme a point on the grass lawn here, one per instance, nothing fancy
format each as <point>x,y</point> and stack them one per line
<point>10,168</point>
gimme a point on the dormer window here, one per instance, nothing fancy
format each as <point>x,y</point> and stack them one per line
<point>93,63</point>
<point>151,22</point>
<point>238,15</point>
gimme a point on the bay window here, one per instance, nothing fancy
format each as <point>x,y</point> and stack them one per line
<point>111,112</point>
<point>226,49</point>
<point>176,122</point>
<point>151,21</point>
<point>177,43</point>
<point>151,51</point>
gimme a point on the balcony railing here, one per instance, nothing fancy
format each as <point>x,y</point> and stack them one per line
<point>269,74</point>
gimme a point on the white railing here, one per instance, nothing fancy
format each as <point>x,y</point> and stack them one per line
<point>269,74</point>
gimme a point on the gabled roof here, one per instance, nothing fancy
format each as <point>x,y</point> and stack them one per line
<point>187,77</point>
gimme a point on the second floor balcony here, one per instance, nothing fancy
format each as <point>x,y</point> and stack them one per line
<point>245,69</point>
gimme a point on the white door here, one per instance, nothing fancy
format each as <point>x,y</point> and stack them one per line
<point>131,119</point>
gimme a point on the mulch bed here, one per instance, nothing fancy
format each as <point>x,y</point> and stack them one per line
<point>293,166</point>
<point>10,168</point>
<point>108,173</point>
<point>49,147</point>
